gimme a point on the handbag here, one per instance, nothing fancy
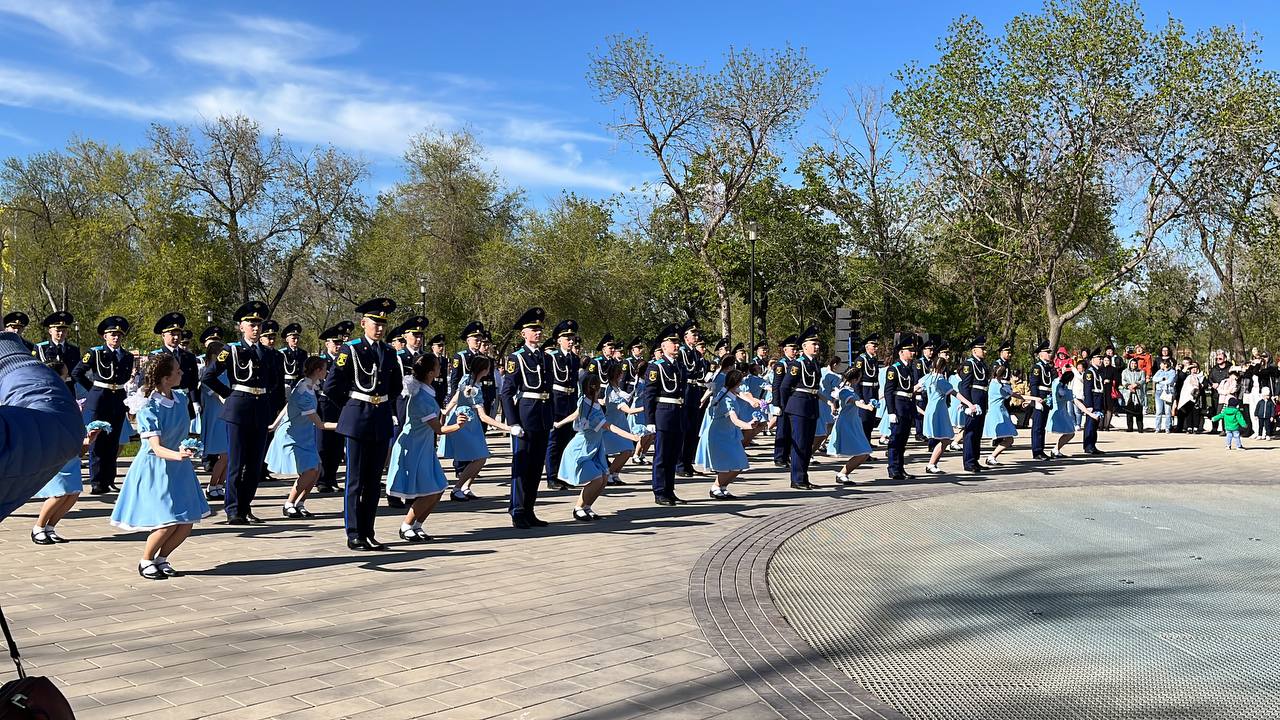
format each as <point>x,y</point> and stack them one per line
<point>30,698</point>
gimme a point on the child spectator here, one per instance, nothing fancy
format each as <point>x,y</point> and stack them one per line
<point>1233,422</point>
<point>1265,411</point>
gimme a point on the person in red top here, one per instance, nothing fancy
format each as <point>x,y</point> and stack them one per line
<point>1061,359</point>
<point>1143,357</point>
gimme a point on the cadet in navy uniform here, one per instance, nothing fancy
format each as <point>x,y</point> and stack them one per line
<point>441,383</point>
<point>472,334</point>
<point>526,395</point>
<point>364,379</point>
<point>332,445</point>
<point>1096,391</point>
<point>489,385</point>
<point>16,322</point>
<point>695,368</point>
<point>1001,369</point>
<point>869,381</point>
<point>633,363</point>
<point>798,399</point>
<point>563,366</point>
<point>664,398</point>
<point>248,408</point>
<point>600,364</point>
<point>901,385</point>
<point>1041,387</point>
<point>974,378</point>
<point>922,366</point>
<point>170,328</point>
<point>57,348</point>
<point>781,435</point>
<point>103,372</point>
<point>293,355</point>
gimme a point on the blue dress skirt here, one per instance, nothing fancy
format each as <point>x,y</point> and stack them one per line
<point>826,396</point>
<point>998,423</point>
<point>1062,416</point>
<point>883,428</point>
<point>722,443</point>
<point>158,493</point>
<point>937,419</point>
<point>846,438</point>
<point>468,443</point>
<point>584,458</point>
<point>614,443</point>
<point>415,470</point>
<point>293,449</point>
<point>955,409</point>
<point>637,424</point>
<point>213,429</point>
<point>700,458</point>
<point>68,481</point>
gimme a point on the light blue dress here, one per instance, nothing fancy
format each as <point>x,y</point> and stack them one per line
<point>937,418</point>
<point>415,470</point>
<point>158,493</point>
<point>826,396</point>
<point>614,399</point>
<point>998,423</point>
<point>700,457</point>
<point>584,458</point>
<point>1062,417</point>
<point>213,429</point>
<point>723,439</point>
<point>468,443</point>
<point>956,409</point>
<point>755,385</point>
<point>68,481</point>
<point>883,428</point>
<point>636,423</point>
<point>846,438</point>
<point>293,449</point>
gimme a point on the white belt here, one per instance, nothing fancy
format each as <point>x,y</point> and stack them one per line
<point>107,386</point>
<point>697,383</point>
<point>865,383</point>
<point>806,391</point>
<point>565,389</point>
<point>671,401</point>
<point>371,399</point>
<point>978,387</point>
<point>290,377</point>
<point>249,389</point>
<point>902,393</point>
<point>1043,387</point>
<point>535,396</point>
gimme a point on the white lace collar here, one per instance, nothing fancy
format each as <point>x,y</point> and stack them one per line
<point>162,400</point>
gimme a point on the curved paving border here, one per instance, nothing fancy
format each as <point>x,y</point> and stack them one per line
<point>729,594</point>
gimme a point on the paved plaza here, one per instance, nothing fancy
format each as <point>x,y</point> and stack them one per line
<point>661,612</point>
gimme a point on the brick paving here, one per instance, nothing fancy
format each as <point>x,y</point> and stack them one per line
<point>575,620</point>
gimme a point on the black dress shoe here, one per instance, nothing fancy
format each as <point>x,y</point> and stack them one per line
<point>536,522</point>
<point>254,519</point>
<point>801,486</point>
<point>354,543</point>
<point>372,544</point>
<point>99,490</point>
<point>520,523</point>
<point>1096,451</point>
<point>237,520</point>
<point>113,488</point>
<point>292,513</point>
<point>678,501</point>
<point>781,464</point>
<point>1040,456</point>
<point>664,500</point>
<point>305,513</point>
<point>684,473</point>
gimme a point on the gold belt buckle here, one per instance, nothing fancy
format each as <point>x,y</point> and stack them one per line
<point>375,400</point>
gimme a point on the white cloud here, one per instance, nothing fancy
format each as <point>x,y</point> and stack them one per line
<point>523,165</point>
<point>87,25</point>
<point>26,88</point>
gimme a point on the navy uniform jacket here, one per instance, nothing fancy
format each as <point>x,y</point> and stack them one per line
<point>103,373</point>
<point>779,370</point>
<point>457,368</point>
<point>293,360</point>
<point>1041,379</point>
<point>328,410</point>
<point>600,365</point>
<point>798,391</point>
<point>920,367</point>
<point>974,378</point>
<point>664,395</point>
<point>251,370</point>
<point>695,369</point>
<point>899,398</point>
<point>629,376</point>
<point>406,358</point>
<point>1096,388</point>
<point>562,381</point>
<point>1000,369</point>
<point>441,383</point>
<point>190,369</point>
<point>66,353</point>
<point>869,382</point>
<point>526,388</point>
<point>365,379</point>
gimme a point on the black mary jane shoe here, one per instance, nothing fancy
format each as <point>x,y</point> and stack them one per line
<point>152,572</point>
<point>291,512</point>
<point>54,536</point>
<point>168,570</point>
<point>581,515</point>
<point>303,512</point>
<point>41,538</point>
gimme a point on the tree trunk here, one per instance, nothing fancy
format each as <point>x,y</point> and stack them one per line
<point>722,300</point>
<point>1055,332</point>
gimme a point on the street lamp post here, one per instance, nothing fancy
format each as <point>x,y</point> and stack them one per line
<point>208,316</point>
<point>422,290</point>
<point>752,229</point>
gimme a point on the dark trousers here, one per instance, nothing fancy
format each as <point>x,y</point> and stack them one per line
<point>919,423</point>
<point>103,455</point>
<point>365,459</point>
<point>972,439</point>
<point>693,413</point>
<point>800,432</point>
<point>869,423</point>
<point>667,446</point>
<point>899,434</point>
<point>1134,413</point>
<point>557,441</point>
<point>528,456</point>
<point>246,449</point>
<point>1091,431</point>
<point>782,441</point>
<point>332,446</point>
<point>1039,422</point>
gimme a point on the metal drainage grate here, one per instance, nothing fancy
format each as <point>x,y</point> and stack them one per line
<point>1076,603</point>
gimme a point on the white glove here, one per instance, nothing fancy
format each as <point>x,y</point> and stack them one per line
<point>651,428</point>
<point>517,431</point>
<point>893,419</point>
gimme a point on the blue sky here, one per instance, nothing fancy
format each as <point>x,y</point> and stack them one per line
<point>365,76</point>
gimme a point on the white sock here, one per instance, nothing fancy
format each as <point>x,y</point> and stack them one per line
<point>37,528</point>
<point>405,527</point>
<point>143,563</point>
<point>288,505</point>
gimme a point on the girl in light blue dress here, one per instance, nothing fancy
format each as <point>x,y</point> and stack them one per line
<point>213,429</point>
<point>160,493</point>
<point>61,492</point>
<point>637,423</point>
<point>414,473</point>
<point>714,387</point>
<point>754,385</point>
<point>619,406</point>
<point>884,427</point>
<point>468,446</point>
<point>827,384</point>
<point>847,439</point>
<point>726,456</point>
<point>940,420</point>
<point>584,463</point>
<point>956,408</point>
<point>294,448</point>
<point>1064,407</point>
<point>998,426</point>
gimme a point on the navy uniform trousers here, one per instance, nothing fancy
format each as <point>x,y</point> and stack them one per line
<point>246,450</point>
<point>105,451</point>
<point>668,444</point>
<point>869,421</point>
<point>558,438</point>
<point>1039,422</point>
<point>899,434</point>
<point>782,441</point>
<point>1091,431</point>
<point>800,432</point>
<point>529,454</point>
<point>366,457</point>
<point>693,410</point>
<point>973,438</point>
